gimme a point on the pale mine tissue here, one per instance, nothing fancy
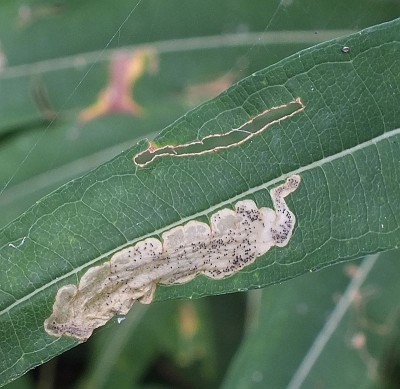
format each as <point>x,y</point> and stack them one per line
<point>234,239</point>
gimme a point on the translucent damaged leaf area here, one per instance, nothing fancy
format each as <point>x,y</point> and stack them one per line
<point>234,239</point>
<point>234,137</point>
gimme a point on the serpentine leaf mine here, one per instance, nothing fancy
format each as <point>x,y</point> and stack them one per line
<point>234,137</point>
<point>233,240</point>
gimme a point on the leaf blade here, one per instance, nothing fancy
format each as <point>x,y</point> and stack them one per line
<point>116,215</point>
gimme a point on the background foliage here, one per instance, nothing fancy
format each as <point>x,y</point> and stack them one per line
<point>55,60</point>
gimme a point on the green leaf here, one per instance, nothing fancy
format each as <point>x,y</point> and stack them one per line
<point>339,337</point>
<point>32,95</point>
<point>63,75</point>
<point>179,331</point>
<point>344,144</point>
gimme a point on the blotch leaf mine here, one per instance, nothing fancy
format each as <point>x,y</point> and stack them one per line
<point>233,240</point>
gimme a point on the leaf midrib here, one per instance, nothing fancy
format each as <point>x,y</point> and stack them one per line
<point>332,323</point>
<point>178,45</point>
<point>204,212</point>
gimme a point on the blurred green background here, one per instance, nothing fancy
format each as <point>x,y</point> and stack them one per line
<point>60,63</point>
